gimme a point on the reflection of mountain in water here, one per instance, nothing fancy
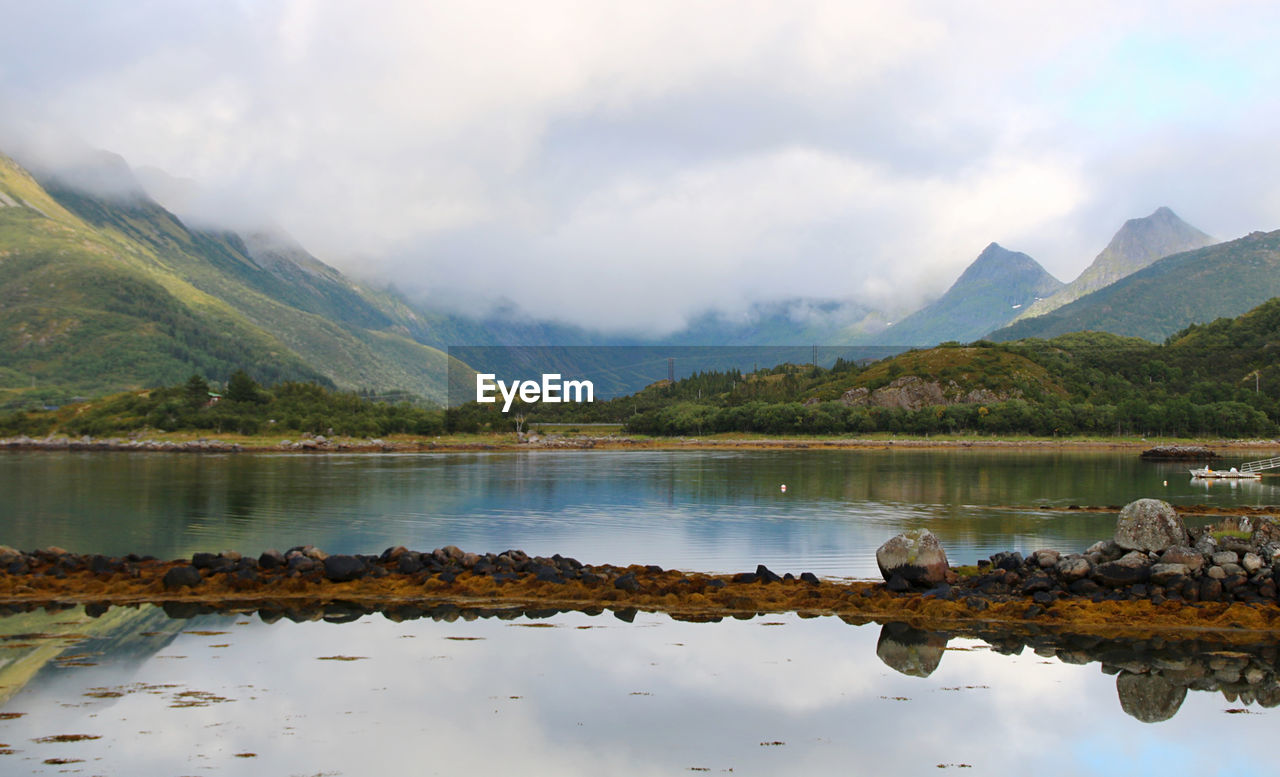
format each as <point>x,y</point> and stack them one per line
<point>1152,676</point>
<point>42,642</point>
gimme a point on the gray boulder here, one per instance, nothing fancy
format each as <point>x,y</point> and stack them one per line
<point>1252,563</point>
<point>1150,525</point>
<point>1073,568</point>
<point>1180,554</point>
<point>915,555</point>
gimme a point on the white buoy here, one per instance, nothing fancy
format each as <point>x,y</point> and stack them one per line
<point>1166,482</point>
<point>784,488</point>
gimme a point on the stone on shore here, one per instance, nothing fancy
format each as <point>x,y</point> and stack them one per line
<point>914,555</point>
<point>341,568</point>
<point>1150,525</point>
<point>182,577</point>
<point>1129,569</point>
<point>1180,554</point>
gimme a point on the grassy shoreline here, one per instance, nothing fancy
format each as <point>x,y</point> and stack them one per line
<point>589,438</point>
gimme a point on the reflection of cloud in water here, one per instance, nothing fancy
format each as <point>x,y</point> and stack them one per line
<point>653,697</point>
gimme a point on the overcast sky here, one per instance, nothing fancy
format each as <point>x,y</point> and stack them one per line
<point>628,164</point>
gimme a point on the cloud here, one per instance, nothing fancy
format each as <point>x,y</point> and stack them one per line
<point>628,165</point>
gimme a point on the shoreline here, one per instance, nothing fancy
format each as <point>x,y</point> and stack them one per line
<point>510,443</point>
<point>306,583</point>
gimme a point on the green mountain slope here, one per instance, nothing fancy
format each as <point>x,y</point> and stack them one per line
<point>1226,279</point>
<point>989,294</point>
<point>106,292</point>
<point>1137,244</point>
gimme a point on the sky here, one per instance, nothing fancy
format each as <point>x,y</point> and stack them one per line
<point>626,166</point>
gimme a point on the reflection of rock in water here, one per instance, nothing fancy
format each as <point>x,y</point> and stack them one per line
<point>1154,675</point>
<point>1149,697</point>
<point>910,651</point>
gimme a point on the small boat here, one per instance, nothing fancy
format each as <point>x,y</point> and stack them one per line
<point>1206,473</point>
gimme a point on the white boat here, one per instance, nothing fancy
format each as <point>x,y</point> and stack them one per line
<point>1207,474</point>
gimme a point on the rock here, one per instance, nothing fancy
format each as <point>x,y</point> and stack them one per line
<point>939,591</point>
<point>1206,544</point>
<point>915,555</point>
<point>1007,560</point>
<point>1225,557</point>
<point>627,582</point>
<point>909,651</point>
<point>1046,559</point>
<point>1148,697</point>
<point>207,560</point>
<point>1252,563</point>
<point>182,577</point>
<point>766,575</point>
<point>271,559</point>
<point>409,563</point>
<point>1210,589</point>
<point>1038,584</point>
<point>1150,524</point>
<point>341,568</point>
<point>1127,570</point>
<point>1085,587</point>
<point>809,577</point>
<point>1181,554</point>
<point>1074,567</point>
<point>1163,573</point>
<point>897,583</point>
<point>1216,572</point>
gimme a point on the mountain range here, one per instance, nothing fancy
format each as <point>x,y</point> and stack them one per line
<point>102,288</point>
<point>1192,287</point>
<point>989,294</point>
<point>1136,245</point>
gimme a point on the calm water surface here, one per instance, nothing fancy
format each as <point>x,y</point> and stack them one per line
<point>579,695</point>
<point>696,510</point>
<point>575,694</point>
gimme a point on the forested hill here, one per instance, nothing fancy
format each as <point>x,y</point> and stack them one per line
<point>1215,379</point>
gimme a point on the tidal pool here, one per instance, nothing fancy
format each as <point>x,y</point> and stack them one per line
<point>133,692</point>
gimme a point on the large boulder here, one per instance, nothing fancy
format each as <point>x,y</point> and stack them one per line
<point>915,555</point>
<point>1150,525</point>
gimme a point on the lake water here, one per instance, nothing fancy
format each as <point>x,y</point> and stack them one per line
<point>580,694</point>
<point>696,510</point>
